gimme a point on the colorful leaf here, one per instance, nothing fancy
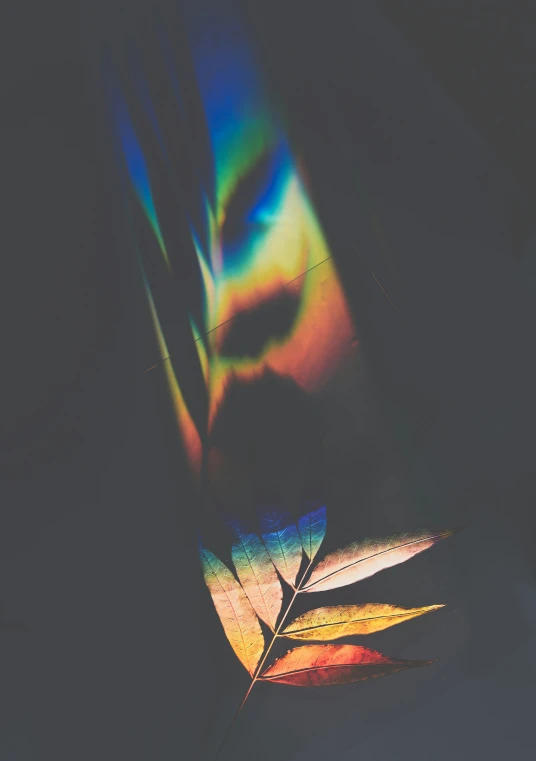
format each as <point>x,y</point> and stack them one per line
<point>312,529</point>
<point>236,613</point>
<point>319,665</point>
<point>337,621</point>
<point>362,559</point>
<point>284,545</point>
<point>257,576</point>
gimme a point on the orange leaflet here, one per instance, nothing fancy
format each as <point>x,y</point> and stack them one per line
<point>237,616</point>
<point>319,665</point>
<point>362,559</point>
<point>335,621</point>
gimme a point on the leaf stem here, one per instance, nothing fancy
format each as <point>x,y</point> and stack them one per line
<point>263,660</point>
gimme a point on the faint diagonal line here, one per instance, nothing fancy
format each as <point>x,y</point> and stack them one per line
<point>382,289</point>
<point>245,311</point>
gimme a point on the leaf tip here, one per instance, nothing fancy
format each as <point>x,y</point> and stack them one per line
<point>234,526</point>
<point>448,532</point>
<point>418,664</point>
<point>431,608</point>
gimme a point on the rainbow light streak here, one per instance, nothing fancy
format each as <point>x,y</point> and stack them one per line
<point>323,330</point>
<point>282,248</point>
<point>238,116</point>
<point>145,97</point>
<point>138,172</point>
<point>190,434</point>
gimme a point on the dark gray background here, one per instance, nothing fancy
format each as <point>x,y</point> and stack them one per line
<point>110,647</point>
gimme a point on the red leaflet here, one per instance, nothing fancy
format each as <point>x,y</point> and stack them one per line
<point>319,665</point>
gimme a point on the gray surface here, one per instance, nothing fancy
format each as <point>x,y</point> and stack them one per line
<point>118,653</point>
